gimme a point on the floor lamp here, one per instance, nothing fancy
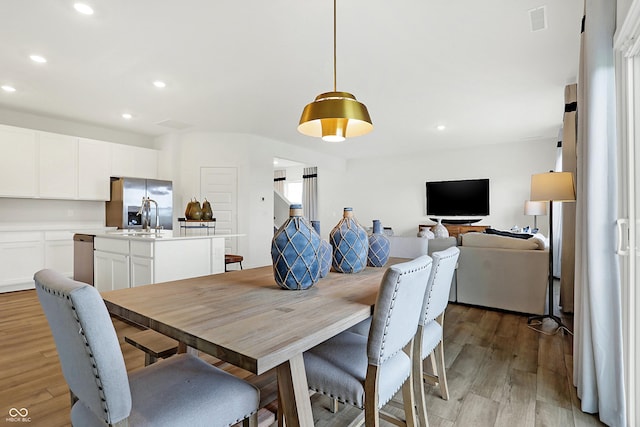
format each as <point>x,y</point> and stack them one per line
<point>552,187</point>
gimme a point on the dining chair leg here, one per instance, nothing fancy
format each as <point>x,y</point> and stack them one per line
<point>408,394</point>
<point>371,411</point>
<point>442,374</point>
<point>252,421</point>
<point>417,377</point>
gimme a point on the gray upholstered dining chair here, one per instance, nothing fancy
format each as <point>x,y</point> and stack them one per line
<point>429,338</point>
<point>366,373</point>
<point>178,391</point>
<point>400,247</point>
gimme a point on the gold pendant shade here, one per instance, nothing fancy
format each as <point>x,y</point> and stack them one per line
<point>335,116</point>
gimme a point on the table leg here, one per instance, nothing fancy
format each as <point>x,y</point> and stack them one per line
<point>294,393</point>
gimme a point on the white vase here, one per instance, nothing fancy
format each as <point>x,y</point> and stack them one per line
<point>426,233</point>
<point>439,230</point>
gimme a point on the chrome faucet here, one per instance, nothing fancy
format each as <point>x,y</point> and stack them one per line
<point>145,211</point>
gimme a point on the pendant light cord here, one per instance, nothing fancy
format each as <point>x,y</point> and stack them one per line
<point>334,47</point>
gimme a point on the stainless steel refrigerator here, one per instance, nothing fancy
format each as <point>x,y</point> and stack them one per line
<point>123,210</point>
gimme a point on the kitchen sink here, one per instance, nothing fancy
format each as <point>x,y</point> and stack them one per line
<point>137,233</point>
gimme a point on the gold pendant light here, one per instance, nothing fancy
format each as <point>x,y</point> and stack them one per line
<point>335,115</point>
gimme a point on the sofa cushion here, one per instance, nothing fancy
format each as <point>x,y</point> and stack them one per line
<point>482,240</point>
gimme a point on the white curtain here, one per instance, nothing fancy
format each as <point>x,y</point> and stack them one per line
<point>598,360</point>
<point>310,193</point>
<point>279,177</point>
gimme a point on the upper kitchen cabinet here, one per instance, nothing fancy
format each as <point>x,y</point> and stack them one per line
<point>94,169</point>
<point>134,162</point>
<point>73,168</point>
<point>58,160</point>
<point>18,162</point>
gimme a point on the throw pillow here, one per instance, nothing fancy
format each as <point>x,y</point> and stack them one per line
<point>508,233</point>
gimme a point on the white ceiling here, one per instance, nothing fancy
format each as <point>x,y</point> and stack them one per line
<point>251,66</point>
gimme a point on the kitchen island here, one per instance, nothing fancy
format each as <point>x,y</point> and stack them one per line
<point>129,258</point>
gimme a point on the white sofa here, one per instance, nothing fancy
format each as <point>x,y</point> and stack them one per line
<point>502,272</point>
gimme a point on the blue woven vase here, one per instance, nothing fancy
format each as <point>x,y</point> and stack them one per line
<point>325,251</point>
<point>350,244</point>
<point>378,254</point>
<point>295,249</point>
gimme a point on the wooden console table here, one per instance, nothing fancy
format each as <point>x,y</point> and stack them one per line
<point>456,229</point>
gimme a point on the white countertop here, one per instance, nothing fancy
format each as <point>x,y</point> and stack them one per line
<point>160,235</point>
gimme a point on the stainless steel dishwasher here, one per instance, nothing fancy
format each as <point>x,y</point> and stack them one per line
<point>83,258</point>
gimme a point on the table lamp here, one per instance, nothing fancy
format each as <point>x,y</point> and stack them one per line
<point>552,187</point>
<point>535,209</point>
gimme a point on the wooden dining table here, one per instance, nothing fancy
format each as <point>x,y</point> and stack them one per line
<point>244,318</point>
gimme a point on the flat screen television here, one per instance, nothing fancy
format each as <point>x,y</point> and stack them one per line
<point>463,199</point>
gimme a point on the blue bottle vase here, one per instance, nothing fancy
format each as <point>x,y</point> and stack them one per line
<point>378,254</point>
<point>350,244</point>
<point>325,251</point>
<point>295,249</point>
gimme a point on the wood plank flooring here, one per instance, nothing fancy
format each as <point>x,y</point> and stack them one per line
<point>500,372</point>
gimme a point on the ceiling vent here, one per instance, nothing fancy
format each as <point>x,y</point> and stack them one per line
<point>538,18</point>
<point>173,124</point>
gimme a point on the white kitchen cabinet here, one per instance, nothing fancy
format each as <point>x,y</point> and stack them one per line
<point>58,251</point>
<point>134,162</point>
<point>58,166</point>
<point>18,162</point>
<point>156,259</point>
<point>141,271</point>
<point>111,268</point>
<point>111,271</point>
<point>21,255</point>
<point>94,169</point>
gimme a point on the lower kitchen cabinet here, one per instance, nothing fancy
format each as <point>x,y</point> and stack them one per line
<point>122,262</point>
<point>141,271</point>
<point>111,271</point>
<point>21,255</point>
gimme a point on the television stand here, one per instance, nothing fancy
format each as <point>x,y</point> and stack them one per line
<point>455,230</point>
<point>457,221</point>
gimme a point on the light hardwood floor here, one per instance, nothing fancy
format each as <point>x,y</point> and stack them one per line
<point>501,373</point>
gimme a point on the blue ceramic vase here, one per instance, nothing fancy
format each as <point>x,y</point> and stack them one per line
<point>325,251</point>
<point>350,244</point>
<point>295,249</point>
<point>378,254</point>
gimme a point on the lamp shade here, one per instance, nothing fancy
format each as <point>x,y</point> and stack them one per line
<point>553,186</point>
<point>335,116</point>
<point>535,208</point>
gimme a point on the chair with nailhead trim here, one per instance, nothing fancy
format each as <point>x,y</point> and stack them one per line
<point>366,373</point>
<point>429,340</point>
<point>182,390</point>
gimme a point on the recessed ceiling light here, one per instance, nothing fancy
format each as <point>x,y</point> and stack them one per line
<point>275,162</point>
<point>127,116</point>
<point>39,59</point>
<point>441,127</point>
<point>159,84</point>
<point>8,88</point>
<point>83,8</point>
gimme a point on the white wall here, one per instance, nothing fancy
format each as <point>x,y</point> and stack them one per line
<point>39,211</point>
<point>183,157</point>
<point>393,189</point>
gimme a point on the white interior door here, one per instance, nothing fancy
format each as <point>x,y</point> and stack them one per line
<point>219,185</point>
